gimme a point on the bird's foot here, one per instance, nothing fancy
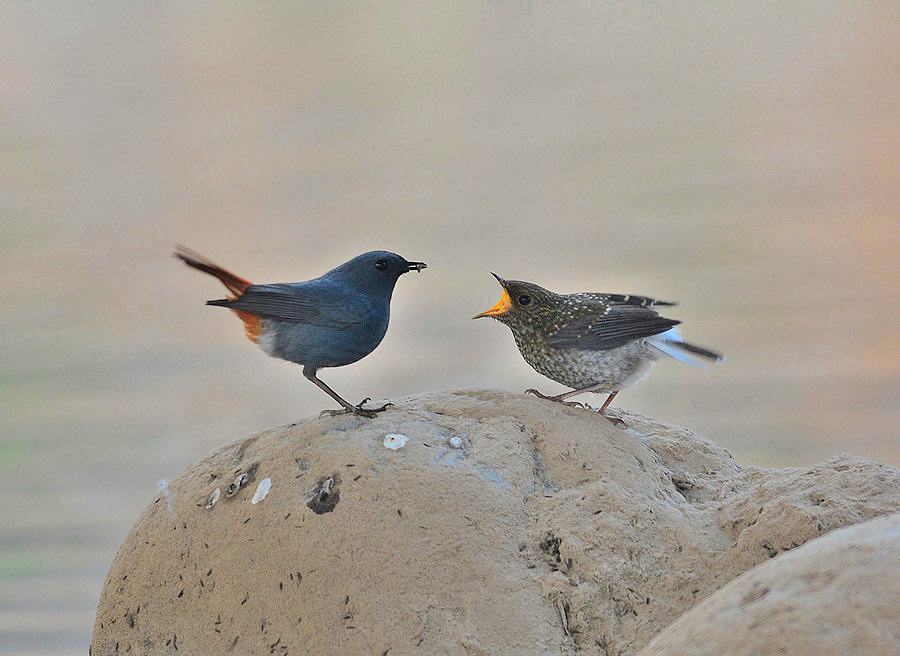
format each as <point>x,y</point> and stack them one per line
<point>357,410</point>
<point>615,421</point>
<point>555,399</point>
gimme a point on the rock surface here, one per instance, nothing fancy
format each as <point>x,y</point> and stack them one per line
<point>834,596</point>
<point>463,522</point>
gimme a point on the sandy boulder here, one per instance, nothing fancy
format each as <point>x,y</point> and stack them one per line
<point>836,595</point>
<point>461,522</point>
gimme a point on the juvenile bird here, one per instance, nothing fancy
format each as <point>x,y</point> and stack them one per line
<point>330,321</point>
<point>588,341</point>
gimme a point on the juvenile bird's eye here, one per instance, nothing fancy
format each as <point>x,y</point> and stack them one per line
<point>381,265</point>
<point>524,299</point>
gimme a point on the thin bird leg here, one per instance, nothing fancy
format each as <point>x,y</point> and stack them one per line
<point>310,374</point>
<point>557,399</point>
<point>561,398</point>
<point>606,403</point>
<point>593,388</point>
<point>603,408</point>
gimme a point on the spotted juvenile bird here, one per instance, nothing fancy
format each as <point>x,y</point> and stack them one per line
<point>331,321</point>
<point>590,342</point>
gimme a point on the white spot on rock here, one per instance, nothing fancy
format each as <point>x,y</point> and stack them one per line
<point>261,490</point>
<point>455,442</point>
<point>163,485</point>
<point>395,440</point>
<point>213,498</point>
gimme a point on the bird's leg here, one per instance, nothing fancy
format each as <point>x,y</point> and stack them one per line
<point>602,411</point>
<point>347,408</point>
<point>565,395</point>
<point>561,398</point>
<point>311,376</point>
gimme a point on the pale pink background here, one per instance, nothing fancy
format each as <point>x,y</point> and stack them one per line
<point>739,158</point>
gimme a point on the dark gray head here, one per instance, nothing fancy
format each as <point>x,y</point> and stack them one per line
<point>523,304</point>
<point>373,273</point>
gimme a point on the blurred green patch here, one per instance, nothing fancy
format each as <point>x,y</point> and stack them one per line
<point>21,563</point>
<point>12,452</point>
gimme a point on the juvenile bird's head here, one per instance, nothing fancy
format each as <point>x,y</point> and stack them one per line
<point>523,305</point>
<point>374,273</point>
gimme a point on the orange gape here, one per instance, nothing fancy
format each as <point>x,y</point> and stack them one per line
<point>235,284</point>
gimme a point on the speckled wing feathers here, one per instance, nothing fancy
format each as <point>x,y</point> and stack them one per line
<point>625,299</point>
<point>610,326</point>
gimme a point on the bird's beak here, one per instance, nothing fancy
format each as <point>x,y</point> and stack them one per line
<point>503,305</point>
<point>415,266</point>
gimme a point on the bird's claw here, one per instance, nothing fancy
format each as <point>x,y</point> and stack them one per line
<point>571,404</point>
<point>357,410</point>
<point>615,421</point>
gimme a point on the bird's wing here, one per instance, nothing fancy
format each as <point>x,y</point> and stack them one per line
<point>620,299</point>
<point>618,325</point>
<point>319,304</point>
<point>631,299</point>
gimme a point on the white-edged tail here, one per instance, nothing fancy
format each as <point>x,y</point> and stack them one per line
<point>671,344</point>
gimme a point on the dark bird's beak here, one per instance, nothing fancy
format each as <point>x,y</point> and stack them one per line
<point>415,266</point>
<point>503,305</point>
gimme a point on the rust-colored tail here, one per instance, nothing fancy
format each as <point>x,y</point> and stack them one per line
<point>235,284</point>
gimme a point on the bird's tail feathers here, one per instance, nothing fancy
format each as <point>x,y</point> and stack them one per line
<point>235,284</point>
<point>671,344</point>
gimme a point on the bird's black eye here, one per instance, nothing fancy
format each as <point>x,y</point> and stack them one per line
<point>524,299</point>
<point>381,265</point>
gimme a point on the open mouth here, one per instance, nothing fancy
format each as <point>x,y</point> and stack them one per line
<point>415,266</point>
<point>503,305</point>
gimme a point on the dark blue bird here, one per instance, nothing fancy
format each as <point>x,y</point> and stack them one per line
<point>333,320</point>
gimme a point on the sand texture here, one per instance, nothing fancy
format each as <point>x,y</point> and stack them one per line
<point>468,522</point>
<point>837,595</point>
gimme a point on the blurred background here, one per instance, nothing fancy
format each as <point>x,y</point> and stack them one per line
<point>738,157</point>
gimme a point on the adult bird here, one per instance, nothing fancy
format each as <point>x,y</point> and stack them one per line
<point>588,341</point>
<point>330,321</point>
